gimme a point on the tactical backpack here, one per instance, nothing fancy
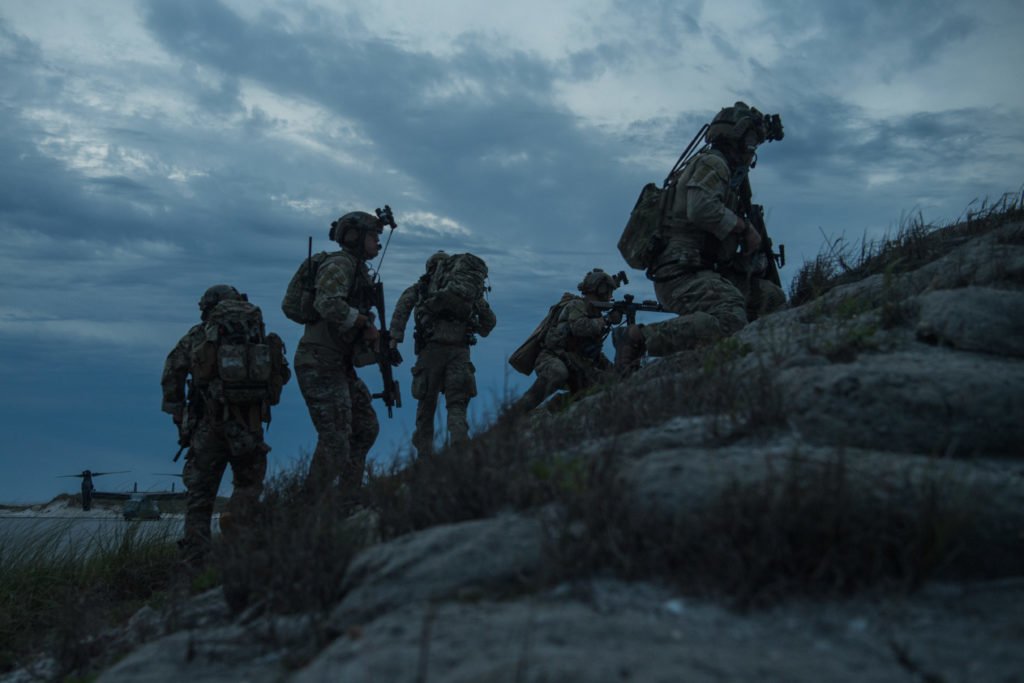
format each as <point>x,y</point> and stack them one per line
<point>297,304</point>
<point>641,242</point>
<point>456,285</point>
<point>235,360</point>
<point>524,359</point>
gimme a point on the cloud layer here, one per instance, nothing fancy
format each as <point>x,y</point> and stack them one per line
<point>152,149</point>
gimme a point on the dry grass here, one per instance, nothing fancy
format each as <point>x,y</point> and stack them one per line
<point>520,463</point>
<point>295,555</point>
<point>913,244</point>
<point>807,529</point>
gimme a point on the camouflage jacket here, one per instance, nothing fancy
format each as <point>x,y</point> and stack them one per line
<point>699,223</point>
<point>579,329</point>
<point>431,329</point>
<point>343,291</point>
<point>176,369</point>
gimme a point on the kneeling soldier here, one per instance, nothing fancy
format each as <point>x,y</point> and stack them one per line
<point>570,355</point>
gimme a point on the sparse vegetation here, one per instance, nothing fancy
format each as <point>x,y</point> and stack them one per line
<point>294,556</point>
<point>811,528</point>
<point>57,598</point>
<point>913,244</point>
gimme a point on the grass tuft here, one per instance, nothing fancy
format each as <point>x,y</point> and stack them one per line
<point>57,597</point>
<point>913,244</point>
<point>810,528</point>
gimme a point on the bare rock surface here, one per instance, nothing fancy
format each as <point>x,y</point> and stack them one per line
<point>929,401</point>
<point>207,643</point>
<point>978,319</point>
<point>480,557</point>
<point>209,654</point>
<point>610,631</point>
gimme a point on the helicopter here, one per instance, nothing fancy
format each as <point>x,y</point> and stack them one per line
<point>88,489</point>
<point>143,505</point>
<point>137,504</point>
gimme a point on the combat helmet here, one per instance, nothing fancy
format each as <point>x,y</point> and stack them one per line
<point>599,283</point>
<point>214,295</point>
<point>350,229</point>
<point>743,125</point>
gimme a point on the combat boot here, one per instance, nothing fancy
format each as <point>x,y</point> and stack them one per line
<point>629,348</point>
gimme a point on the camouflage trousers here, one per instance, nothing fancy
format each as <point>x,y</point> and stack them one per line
<point>708,305</point>
<point>217,443</point>
<point>762,296</point>
<point>341,408</point>
<point>561,370</point>
<point>442,369</point>
<point>765,297</point>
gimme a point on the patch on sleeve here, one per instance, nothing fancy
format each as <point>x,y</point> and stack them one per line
<point>711,174</point>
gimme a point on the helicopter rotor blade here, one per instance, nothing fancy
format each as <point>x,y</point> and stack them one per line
<point>82,475</point>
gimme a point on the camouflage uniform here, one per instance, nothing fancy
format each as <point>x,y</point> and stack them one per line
<point>763,296</point>
<point>220,436</point>
<point>442,362</point>
<point>571,356</point>
<point>699,274</point>
<point>339,402</point>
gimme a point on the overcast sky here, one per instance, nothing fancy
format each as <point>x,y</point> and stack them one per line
<point>151,149</point>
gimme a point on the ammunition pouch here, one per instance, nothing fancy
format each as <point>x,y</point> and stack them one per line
<point>420,382</point>
<point>419,341</point>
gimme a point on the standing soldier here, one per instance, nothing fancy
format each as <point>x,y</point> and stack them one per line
<point>234,372</point>
<point>450,310</point>
<point>697,274</point>
<point>340,333</point>
<point>568,343</point>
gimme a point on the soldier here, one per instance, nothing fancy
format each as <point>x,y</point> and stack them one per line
<point>343,330</point>
<point>226,405</point>
<point>570,350</point>
<point>697,275</point>
<point>442,337</point>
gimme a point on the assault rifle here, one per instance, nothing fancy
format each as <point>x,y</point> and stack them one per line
<point>628,307</point>
<point>387,357</point>
<point>189,418</point>
<point>754,214</point>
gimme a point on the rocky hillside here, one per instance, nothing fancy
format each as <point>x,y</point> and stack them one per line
<point>836,493</point>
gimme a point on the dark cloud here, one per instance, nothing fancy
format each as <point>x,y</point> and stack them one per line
<point>829,143</point>
<point>18,57</point>
<point>122,187</point>
<point>902,36</point>
<point>939,37</point>
<point>591,63</point>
